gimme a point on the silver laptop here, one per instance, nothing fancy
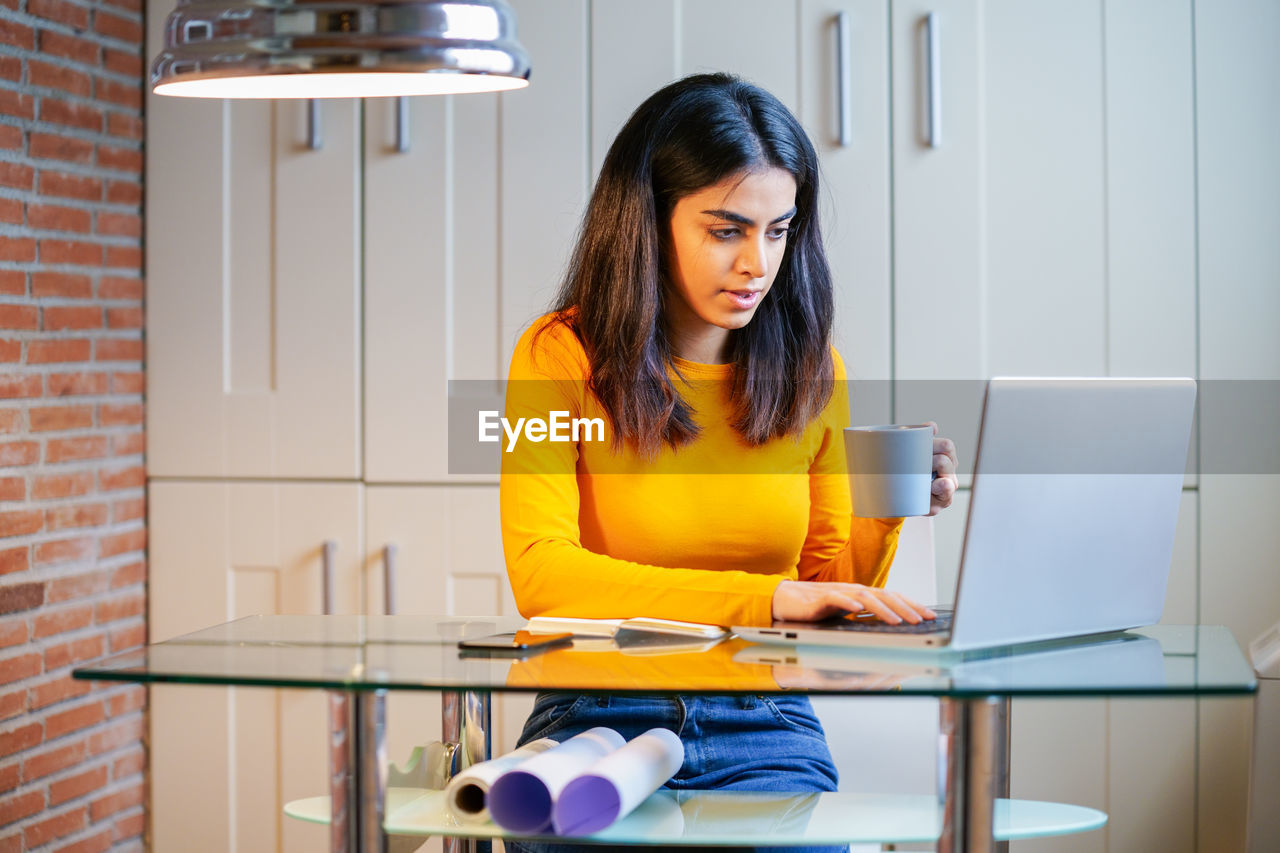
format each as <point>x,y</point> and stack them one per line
<point>1076,489</point>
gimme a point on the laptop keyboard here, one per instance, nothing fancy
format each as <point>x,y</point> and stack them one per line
<point>872,623</point>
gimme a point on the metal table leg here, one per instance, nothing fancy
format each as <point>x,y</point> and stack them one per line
<point>971,763</point>
<point>357,771</point>
<point>466,722</point>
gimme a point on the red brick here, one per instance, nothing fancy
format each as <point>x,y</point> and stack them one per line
<point>76,17</point>
<point>97,843</point>
<point>70,252</point>
<point>65,654</point>
<point>10,68</point>
<point>13,282</point>
<point>124,318</point>
<point>125,478</point>
<point>61,284</point>
<point>124,256</point>
<point>124,159</point>
<point>58,77</point>
<point>24,805</point>
<point>130,127</point>
<point>10,352</point>
<point>18,317</point>
<point>21,522</point>
<point>69,47</point>
<point>65,449</point>
<point>122,62</point>
<point>18,667</point>
<point>10,775</point>
<point>129,826</point>
<point>19,453</point>
<point>60,620</point>
<point>13,632</point>
<point>64,824</point>
<point>76,587</point>
<point>66,185</point>
<point>15,386</point>
<point>62,550</point>
<point>113,737</point>
<point>14,560</point>
<point>119,801</point>
<point>71,114</point>
<point>11,421</point>
<point>17,104</point>
<point>21,738</point>
<point>53,760</point>
<point>128,414</point>
<point>16,248</point>
<point>131,764</point>
<point>120,224</point>
<point>77,785</point>
<point>70,384</point>
<point>10,208</point>
<point>79,515</point>
<point>122,543</point>
<point>62,485</point>
<point>11,32</point>
<point>124,639</point>
<point>128,383</point>
<point>125,95</point>
<point>128,445</point>
<point>51,418</point>
<point>58,690</point>
<point>13,489</point>
<point>51,217</point>
<point>128,575</point>
<point>47,352</point>
<point>119,349</point>
<point>50,146</point>
<point>127,700</point>
<point>129,5</point>
<point>114,609</point>
<point>57,725</point>
<point>117,27</point>
<point>10,135</point>
<point>116,287</point>
<point>61,317</point>
<point>11,705</point>
<point>124,192</point>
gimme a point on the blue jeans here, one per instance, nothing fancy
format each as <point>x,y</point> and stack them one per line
<point>731,743</point>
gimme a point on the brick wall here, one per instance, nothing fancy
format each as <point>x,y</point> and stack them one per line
<point>72,499</point>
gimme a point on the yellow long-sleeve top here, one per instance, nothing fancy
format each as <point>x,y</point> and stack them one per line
<point>704,532</point>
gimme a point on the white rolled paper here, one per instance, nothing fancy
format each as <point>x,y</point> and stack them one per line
<point>521,800</point>
<point>617,783</point>
<point>467,794</point>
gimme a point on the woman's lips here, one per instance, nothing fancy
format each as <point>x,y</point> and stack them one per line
<point>743,299</point>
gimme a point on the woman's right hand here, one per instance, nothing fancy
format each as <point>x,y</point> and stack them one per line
<point>810,601</point>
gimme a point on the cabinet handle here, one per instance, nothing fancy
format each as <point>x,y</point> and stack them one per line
<point>935,79</point>
<point>314,140</point>
<point>402,129</point>
<point>389,577</point>
<point>326,568</point>
<point>844,82</point>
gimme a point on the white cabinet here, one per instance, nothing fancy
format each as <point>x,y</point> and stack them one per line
<point>224,761</point>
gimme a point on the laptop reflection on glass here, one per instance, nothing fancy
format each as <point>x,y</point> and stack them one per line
<point>1070,530</point>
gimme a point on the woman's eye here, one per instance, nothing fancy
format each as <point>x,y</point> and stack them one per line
<point>724,233</point>
<point>778,233</point>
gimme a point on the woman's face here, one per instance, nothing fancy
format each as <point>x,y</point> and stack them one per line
<point>727,242</point>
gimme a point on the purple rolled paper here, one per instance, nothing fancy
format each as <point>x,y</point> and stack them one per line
<point>614,785</point>
<point>522,800</point>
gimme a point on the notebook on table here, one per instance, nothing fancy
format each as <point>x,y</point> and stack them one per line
<point>1070,529</point>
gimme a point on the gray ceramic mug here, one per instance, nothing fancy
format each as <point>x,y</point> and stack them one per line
<point>890,469</point>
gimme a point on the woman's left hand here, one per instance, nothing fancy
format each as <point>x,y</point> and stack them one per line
<point>944,487</point>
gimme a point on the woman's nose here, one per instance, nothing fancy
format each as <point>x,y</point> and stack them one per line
<point>752,260</point>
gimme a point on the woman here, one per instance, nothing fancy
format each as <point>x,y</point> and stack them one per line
<point>695,322</point>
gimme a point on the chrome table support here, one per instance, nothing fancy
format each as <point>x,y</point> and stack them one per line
<point>466,718</point>
<point>972,769</point>
<point>357,771</point>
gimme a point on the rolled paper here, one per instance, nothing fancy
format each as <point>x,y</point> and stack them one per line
<point>467,794</point>
<point>617,783</point>
<point>521,800</point>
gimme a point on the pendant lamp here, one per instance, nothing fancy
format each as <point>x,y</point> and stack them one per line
<point>328,49</point>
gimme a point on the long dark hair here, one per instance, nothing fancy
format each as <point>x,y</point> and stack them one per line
<point>687,136</point>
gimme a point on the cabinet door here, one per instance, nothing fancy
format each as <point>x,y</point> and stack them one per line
<point>253,288</point>
<point>448,560</point>
<point>224,761</point>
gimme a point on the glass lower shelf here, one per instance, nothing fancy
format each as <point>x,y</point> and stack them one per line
<point>715,818</point>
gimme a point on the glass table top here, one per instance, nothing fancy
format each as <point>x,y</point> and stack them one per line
<point>421,653</point>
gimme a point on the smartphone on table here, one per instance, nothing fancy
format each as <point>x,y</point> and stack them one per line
<point>514,643</point>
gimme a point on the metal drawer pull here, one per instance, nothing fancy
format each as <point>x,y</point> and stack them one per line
<point>314,140</point>
<point>935,80</point>
<point>844,82</point>
<point>402,130</point>
<point>326,564</point>
<point>389,577</point>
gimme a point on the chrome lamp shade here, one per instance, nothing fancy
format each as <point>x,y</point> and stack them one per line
<point>328,49</point>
